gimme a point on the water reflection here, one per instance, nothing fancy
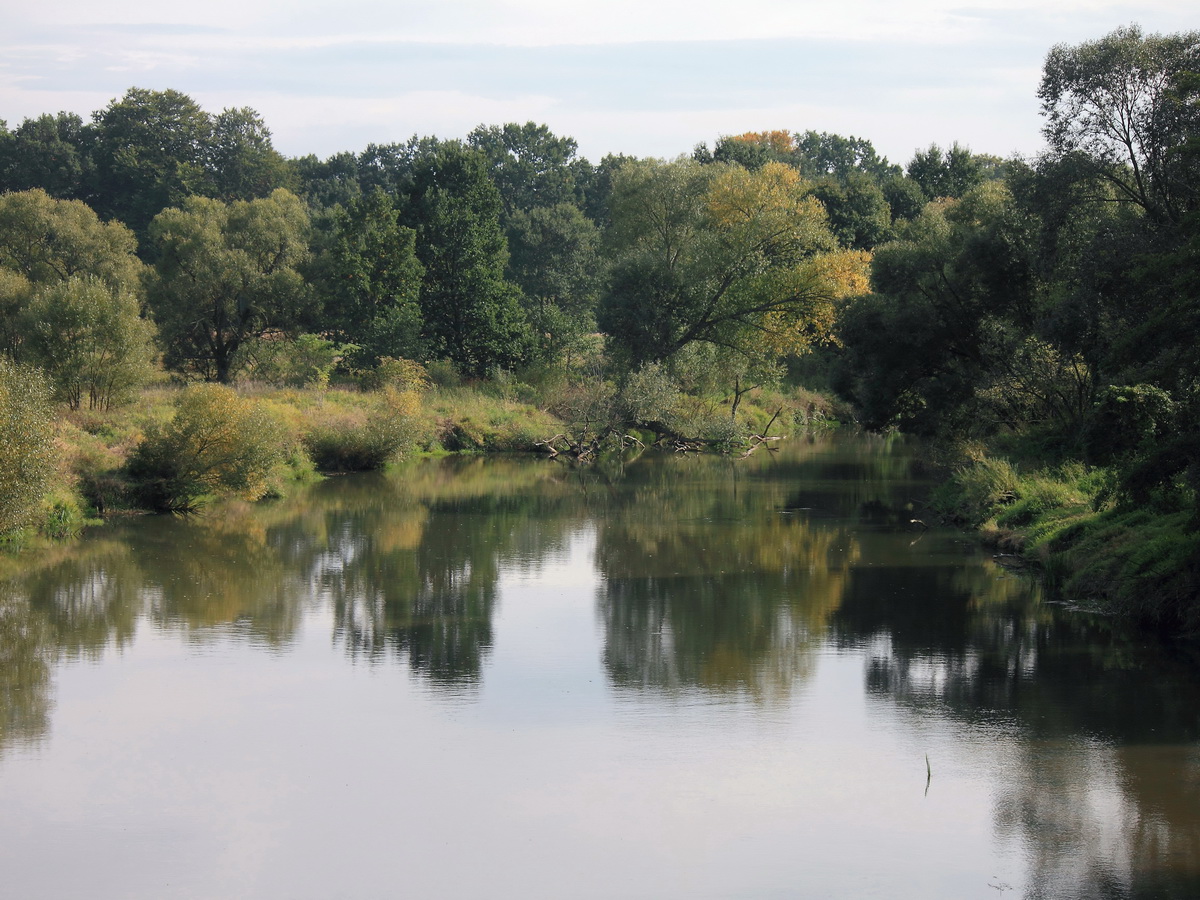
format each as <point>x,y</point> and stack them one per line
<point>712,578</point>
<point>1103,785</point>
<point>26,657</point>
<point>728,585</point>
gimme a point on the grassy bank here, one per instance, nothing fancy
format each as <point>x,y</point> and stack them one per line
<point>176,448</point>
<point>1091,549</point>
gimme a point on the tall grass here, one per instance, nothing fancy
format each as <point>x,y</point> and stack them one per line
<point>1141,563</point>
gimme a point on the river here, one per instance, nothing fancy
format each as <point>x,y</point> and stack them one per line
<point>677,677</point>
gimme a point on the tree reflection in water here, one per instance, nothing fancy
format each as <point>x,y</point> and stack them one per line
<point>1100,775</point>
<point>716,578</point>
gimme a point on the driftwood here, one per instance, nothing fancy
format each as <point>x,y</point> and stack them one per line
<point>758,440</point>
<point>585,447</point>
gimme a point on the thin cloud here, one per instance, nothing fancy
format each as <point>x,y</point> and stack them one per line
<point>647,77</point>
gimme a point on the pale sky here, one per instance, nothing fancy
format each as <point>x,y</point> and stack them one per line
<point>642,77</point>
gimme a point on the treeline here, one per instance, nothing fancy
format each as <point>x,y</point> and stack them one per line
<point>1044,308</point>
<point>492,252</point>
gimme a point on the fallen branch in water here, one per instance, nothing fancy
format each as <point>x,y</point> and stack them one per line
<point>757,440</point>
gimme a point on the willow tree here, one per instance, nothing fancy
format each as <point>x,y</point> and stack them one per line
<point>225,274</point>
<point>719,255</point>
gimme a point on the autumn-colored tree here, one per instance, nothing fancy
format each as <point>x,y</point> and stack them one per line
<point>721,255</point>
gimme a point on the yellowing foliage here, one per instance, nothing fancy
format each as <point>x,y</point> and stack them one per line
<point>769,211</point>
<point>792,329</point>
<point>779,141</point>
<point>848,272</point>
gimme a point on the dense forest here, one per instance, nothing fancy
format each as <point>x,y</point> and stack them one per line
<point>1036,318</point>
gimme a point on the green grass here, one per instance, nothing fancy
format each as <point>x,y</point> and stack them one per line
<point>1140,563</point>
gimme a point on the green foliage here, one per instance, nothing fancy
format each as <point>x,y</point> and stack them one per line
<point>1137,564</point>
<point>978,490</point>
<point>217,442</point>
<point>15,291</point>
<point>904,197</point>
<point>960,287</point>
<point>714,254</point>
<point>356,438</point>
<point>152,150</point>
<point>242,163</point>
<point>47,240</point>
<point>90,340</point>
<point>226,274</point>
<point>472,314</point>
<point>946,173</point>
<point>28,456</point>
<point>530,166</point>
<point>859,214</point>
<point>149,149</point>
<point>401,374</point>
<point>308,360</point>
<point>823,153</point>
<point>1128,420</point>
<point>373,280</point>
<point>47,152</point>
<point>326,184</point>
<point>555,260</point>
<point>1117,106</point>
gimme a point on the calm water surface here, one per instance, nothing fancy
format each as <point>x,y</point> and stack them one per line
<point>679,678</point>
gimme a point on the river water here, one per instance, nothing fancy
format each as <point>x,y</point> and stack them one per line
<point>680,677</point>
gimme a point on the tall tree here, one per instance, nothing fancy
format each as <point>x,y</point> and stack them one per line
<point>91,341</point>
<point>150,149</point>
<point>529,164</point>
<point>326,183</point>
<point>1117,104</point>
<point>555,259</point>
<point>858,210</point>
<point>373,280</point>
<point>47,153</point>
<point>47,240</point>
<point>224,274</point>
<point>823,153</point>
<point>243,164</point>
<point>961,335</point>
<point>719,255</point>
<point>945,173</point>
<point>472,313</point>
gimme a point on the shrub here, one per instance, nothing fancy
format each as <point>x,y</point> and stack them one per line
<point>356,439</point>
<point>308,360</point>
<point>402,374</point>
<point>217,442</point>
<point>27,459</point>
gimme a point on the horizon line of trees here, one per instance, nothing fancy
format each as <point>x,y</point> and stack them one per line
<point>496,251</point>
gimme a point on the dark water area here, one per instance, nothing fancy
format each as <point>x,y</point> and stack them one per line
<point>679,677</point>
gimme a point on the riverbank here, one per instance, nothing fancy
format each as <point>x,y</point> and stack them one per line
<point>1093,551</point>
<point>175,448</point>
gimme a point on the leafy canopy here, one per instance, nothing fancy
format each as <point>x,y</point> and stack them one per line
<point>717,254</point>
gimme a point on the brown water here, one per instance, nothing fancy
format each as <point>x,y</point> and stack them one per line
<point>680,678</point>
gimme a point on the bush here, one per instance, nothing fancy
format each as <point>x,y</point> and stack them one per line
<point>217,442</point>
<point>361,438</point>
<point>402,374</point>
<point>27,459</point>
<point>307,361</point>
